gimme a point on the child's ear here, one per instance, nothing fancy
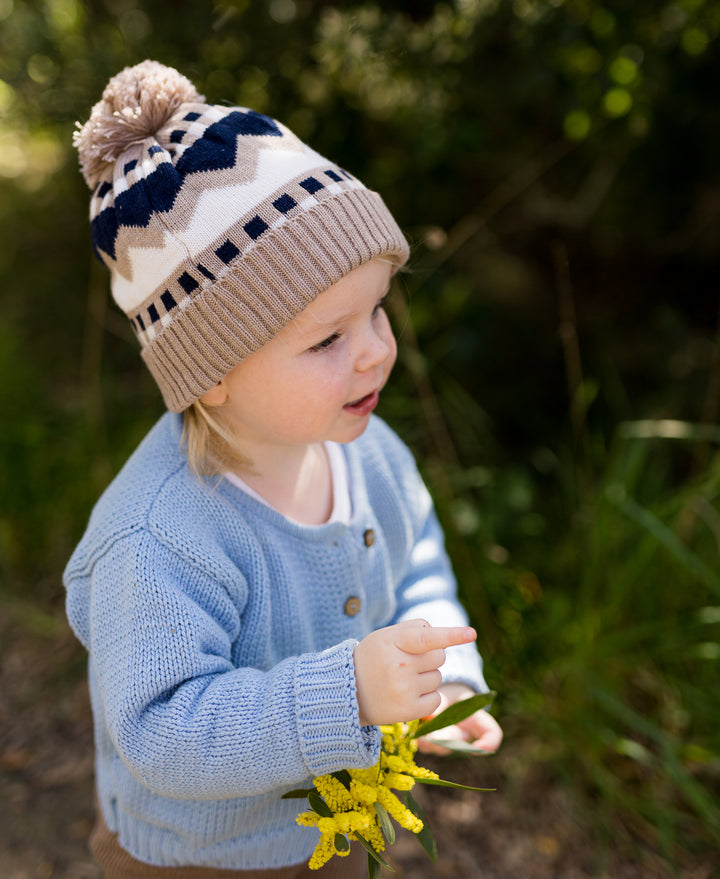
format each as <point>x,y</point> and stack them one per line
<point>215,396</point>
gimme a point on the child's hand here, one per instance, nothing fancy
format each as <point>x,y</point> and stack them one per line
<point>480,728</point>
<point>396,670</point>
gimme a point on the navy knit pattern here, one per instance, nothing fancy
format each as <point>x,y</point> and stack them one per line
<point>221,670</point>
<point>215,150</point>
<point>308,193</point>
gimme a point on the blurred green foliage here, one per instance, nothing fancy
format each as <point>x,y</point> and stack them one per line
<point>554,164</point>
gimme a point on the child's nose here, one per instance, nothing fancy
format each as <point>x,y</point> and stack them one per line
<point>378,347</point>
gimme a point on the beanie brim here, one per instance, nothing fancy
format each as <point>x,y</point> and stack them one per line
<point>240,312</point>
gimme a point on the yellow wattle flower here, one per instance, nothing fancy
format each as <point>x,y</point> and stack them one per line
<point>345,822</point>
<point>333,792</point>
<point>353,809</point>
<point>422,772</point>
<point>365,776</point>
<point>363,792</point>
<point>398,811</point>
<point>396,763</point>
<point>399,781</point>
<point>324,850</point>
<point>373,835</point>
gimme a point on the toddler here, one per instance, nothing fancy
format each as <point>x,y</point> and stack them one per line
<point>265,581</point>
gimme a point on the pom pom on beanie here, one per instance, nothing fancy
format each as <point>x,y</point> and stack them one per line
<point>136,104</point>
<point>218,225</point>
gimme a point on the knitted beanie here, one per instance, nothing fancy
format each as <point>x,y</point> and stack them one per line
<point>218,225</point>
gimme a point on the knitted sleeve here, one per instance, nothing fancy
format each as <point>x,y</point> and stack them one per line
<point>185,721</point>
<point>427,588</point>
<point>428,592</point>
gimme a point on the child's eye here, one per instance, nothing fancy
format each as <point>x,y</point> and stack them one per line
<point>381,304</point>
<point>326,343</point>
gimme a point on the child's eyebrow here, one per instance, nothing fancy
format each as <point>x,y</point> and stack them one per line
<point>306,327</point>
<point>311,324</point>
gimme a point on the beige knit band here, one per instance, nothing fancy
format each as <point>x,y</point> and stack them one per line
<point>217,224</point>
<point>266,289</point>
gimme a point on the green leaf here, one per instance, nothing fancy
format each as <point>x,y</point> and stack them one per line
<point>299,794</point>
<point>442,783</point>
<point>343,776</point>
<point>373,854</point>
<point>455,713</point>
<point>426,838</point>
<point>319,805</point>
<point>341,843</point>
<point>386,824</point>
<point>459,746</point>
<point>374,868</point>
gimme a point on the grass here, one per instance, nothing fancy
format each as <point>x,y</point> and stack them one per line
<point>591,571</point>
<point>607,632</point>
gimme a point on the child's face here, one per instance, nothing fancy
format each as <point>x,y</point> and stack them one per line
<point>320,377</point>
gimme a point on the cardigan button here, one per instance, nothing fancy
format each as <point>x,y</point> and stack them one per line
<point>352,606</point>
<point>369,537</point>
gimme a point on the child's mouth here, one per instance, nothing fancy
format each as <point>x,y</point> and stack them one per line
<point>363,406</point>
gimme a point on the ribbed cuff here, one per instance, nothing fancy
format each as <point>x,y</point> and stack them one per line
<point>331,737</point>
<point>266,288</point>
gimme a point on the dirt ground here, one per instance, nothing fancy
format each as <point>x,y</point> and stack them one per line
<point>523,830</point>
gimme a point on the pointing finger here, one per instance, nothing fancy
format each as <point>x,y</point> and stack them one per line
<point>421,640</point>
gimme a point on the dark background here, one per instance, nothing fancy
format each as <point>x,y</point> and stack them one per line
<point>554,165</point>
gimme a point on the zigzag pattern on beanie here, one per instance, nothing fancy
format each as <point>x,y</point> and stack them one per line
<point>217,223</point>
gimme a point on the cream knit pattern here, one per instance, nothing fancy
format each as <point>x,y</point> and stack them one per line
<point>218,225</point>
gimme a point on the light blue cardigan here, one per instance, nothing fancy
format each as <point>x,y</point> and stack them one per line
<point>221,669</point>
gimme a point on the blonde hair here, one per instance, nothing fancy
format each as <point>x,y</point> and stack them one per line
<point>210,445</point>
